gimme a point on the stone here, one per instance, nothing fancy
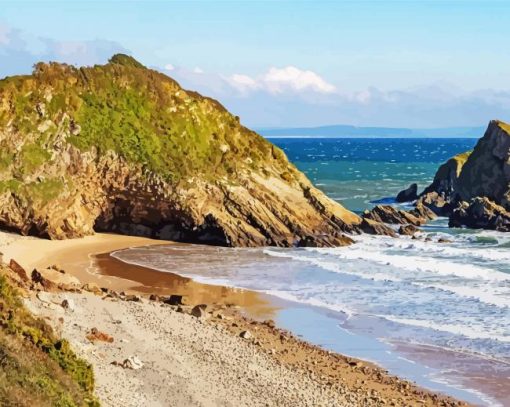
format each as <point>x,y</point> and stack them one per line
<point>443,240</point>
<point>20,271</point>
<point>68,304</point>
<point>409,194</point>
<point>174,300</point>
<point>246,335</point>
<point>199,310</point>
<point>435,203</point>
<point>269,323</point>
<point>391,215</point>
<point>154,297</point>
<point>92,288</point>
<point>376,228</point>
<point>133,363</point>
<point>96,335</point>
<point>408,230</point>
<point>44,283</point>
<point>481,213</point>
<point>132,298</point>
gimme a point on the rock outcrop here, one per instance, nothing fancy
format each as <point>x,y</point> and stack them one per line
<point>409,194</point>
<point>481,213</point>
<point>389,214</point>
<point>125,149</point>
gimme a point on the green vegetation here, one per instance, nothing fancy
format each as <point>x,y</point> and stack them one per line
<point>143,115</point>
<point>504,126</point>
<point>37,369</point>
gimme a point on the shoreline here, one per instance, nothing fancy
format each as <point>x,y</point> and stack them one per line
<point>80,258</point>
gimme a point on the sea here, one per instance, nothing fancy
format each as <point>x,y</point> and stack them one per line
<point>436,313</point>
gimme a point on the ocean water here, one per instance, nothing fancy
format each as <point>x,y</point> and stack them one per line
<point>393,294</point>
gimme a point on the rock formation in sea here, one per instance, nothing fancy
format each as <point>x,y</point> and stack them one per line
<point>123,148</point>
<point>473,188</point>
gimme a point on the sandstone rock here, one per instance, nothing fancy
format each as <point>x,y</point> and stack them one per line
<point>436,203</point>
<point>92,288</point>
<point>174,300</point>
<point>376,228</point>
<point>246,335</point>
<point>45,284</point>
<point>154,297</point>
<point>132,298</point>
<point>408,230</point>
<point>421,211</point>
<point>481,213</point>
<point>199,310</point>
<point>20,271</point>
<point>389,214</point>
<point>409,194</point>
<point>96,335</point>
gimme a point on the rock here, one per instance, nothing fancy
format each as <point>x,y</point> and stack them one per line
<point>389,214</point>
<point>133,298</point>
<point>443,240</point>
<point>486,172</point>
<point>96,335</point>
<point>174,300</point>
<point>421,211</point>
<point>92,288</point>
<point>409,194</point>
<point>376,228</point>
<point>41,281</point>
<point>199,310</point>
<point>68,304</point>
<point>445,181</point>
<point>408,230</point>
<point>132,363</point>
<point>269,323</point>
<point>481,213</point>
<point>435,203</point>
<point>20,271</point>
<point>246,335</point>
<point>154,297</point>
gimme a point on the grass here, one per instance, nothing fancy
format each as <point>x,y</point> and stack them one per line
<point>504,126</point>
<point>37,368</point>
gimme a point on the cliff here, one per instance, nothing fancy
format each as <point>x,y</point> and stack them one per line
<point>486,173</point>
<point>125,149</point>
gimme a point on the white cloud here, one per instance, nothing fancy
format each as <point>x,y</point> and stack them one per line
<point>169,67</point>
<point>243,83</point>
<point>282,80</point>
<point>198,70</point>
<point>279,80</point>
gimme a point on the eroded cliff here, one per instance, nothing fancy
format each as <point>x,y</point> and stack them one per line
<point>123,148</point>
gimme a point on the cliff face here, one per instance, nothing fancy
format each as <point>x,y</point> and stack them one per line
<point>486,173</point>
<point>124,148</point>
<point>446,178</point>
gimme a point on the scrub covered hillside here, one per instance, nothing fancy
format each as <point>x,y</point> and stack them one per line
<point>123,148</point>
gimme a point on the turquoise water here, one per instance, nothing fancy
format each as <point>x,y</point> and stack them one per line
<point>436,313</point>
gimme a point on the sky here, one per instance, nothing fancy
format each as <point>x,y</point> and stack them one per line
<point>419,64</point>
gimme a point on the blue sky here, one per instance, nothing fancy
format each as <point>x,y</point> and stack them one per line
<point>301,63</point>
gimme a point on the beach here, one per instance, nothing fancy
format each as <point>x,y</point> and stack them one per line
<point>189,360</point>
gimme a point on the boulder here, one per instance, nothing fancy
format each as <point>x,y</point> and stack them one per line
<point>68,304</point>
<point>40,281</point>
<point>376,228</point>
<point>246,335</point>
<point>421,211</point>
<point>481,213</point>
<point>389,214</point>
<point>174,300</point>
<point>435,202</point>
<point>408,230</point>
<point>199,310</point>
<point>132,363</point>
<point>96,335</point>
<point>20,271</point>
<point>409,194</point>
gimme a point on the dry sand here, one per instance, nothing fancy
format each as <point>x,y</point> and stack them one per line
<point>189,361</point>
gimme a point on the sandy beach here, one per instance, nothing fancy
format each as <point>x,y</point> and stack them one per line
<point>188,360</point>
